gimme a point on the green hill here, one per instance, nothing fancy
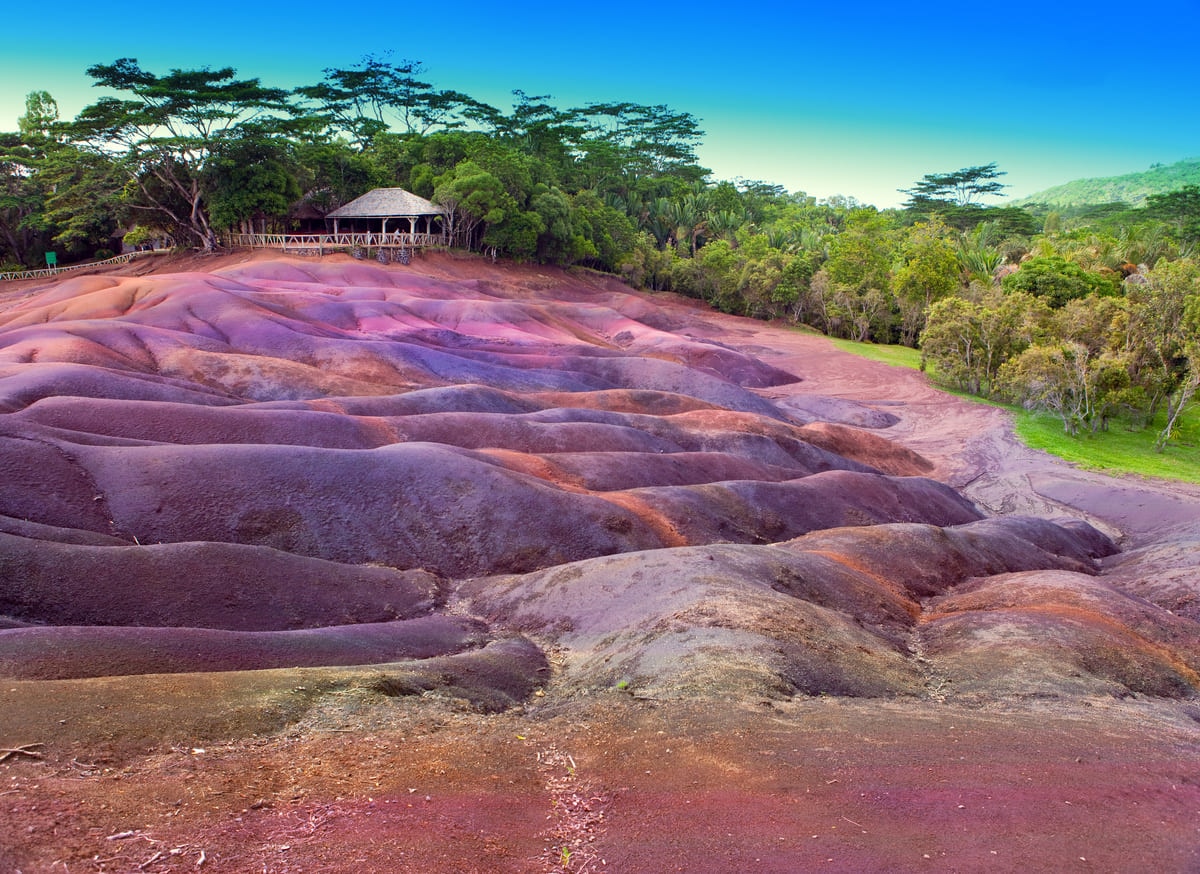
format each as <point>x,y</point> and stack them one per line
<point>1132,188</point>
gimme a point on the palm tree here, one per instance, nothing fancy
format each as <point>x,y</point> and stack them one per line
<point>659,221</point>
<point>1144,244</point>
<point>690,215</point>
<point>978,261</point>
<point>724,223</point>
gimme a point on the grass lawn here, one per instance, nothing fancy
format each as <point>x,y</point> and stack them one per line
<point>900,356</point>
<point>1117,450</point>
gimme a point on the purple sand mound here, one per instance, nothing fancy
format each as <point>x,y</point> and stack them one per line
<point>204,585</point>
<point>767,512</point>
<point>66,652</point>
<point>927,560</point>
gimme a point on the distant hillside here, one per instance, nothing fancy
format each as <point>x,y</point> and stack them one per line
<point>1131,188</point>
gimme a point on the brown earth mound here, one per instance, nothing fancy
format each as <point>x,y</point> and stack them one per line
<point>830,613</point>
<point>312,564</point>
<point>1057,633</point>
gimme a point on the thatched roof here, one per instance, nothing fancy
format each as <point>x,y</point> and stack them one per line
<point>305,209</point>
<point>386,203</point>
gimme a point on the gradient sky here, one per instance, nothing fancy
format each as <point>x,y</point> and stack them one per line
<point>857,99</point>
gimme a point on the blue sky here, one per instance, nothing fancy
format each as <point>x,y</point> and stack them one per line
<point>857,99</point>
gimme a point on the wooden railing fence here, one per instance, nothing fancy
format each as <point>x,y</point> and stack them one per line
<point>400,244</point>
<point>14,275</point>
<point>321,243</point>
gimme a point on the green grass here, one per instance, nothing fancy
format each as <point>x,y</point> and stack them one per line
<point>899,356</point>
<point>1118,450</point>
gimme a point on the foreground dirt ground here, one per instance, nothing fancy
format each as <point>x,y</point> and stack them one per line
<point>329,769</point>
<point>622,785</point>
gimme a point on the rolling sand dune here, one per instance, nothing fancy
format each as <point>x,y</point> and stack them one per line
<point>312,564</point>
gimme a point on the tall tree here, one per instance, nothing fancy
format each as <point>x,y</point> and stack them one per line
<point>653,139</point>
<point>40,118</point>
<point>168,131</point>
<point>22,196</point>
<point>252,176</point>
<point>962,187</point>
<point>928,271</point>
<point>1164,336</point>
<point>1189,385</point>
<point>378,95</point>
<point>473,198</point>
<point>53,194</point>
<point>1056,378</point>
<point>83,203</point>
<point>967,343</point>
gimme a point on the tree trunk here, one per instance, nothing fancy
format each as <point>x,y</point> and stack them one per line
<point>1186,392</point>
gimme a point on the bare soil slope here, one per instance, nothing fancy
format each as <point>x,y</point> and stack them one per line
<point>318,565</point>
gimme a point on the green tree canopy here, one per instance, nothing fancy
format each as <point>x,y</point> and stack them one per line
<point>251,176</point>
<point>960,188</point>
<point>928,271</point>
<point>1180,208</point>
<point>54,195</point>
<point>1164,336</point>
<point>169,128</point>
<point>1057,280</point>
<point>22,189</point>
<point>473,199</point>
<point>967,342</point>
<point>378,95</point>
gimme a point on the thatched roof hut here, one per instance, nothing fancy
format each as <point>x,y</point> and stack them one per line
<point>383,204</point>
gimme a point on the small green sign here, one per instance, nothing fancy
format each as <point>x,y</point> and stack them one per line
<point>51,259</point>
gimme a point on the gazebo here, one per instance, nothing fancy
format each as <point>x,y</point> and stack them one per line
<point>373,211</point>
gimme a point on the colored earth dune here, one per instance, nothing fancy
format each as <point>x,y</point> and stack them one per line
<point>513,491</point>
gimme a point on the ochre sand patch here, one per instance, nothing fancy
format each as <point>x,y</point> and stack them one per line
<point>594,529</point>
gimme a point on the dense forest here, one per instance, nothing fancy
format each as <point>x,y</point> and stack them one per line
<point>1091,312</point>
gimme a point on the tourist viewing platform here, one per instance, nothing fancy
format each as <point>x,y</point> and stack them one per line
<point>319,244</point>
<point>362,227</point>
